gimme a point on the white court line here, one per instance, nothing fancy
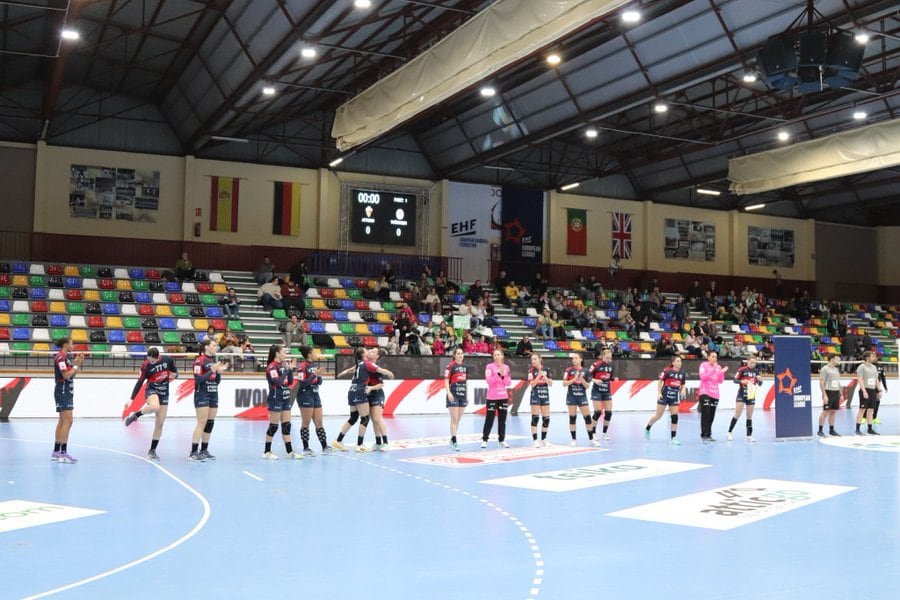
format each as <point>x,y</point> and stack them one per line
<point>200,524</point>
<point>249,474</point>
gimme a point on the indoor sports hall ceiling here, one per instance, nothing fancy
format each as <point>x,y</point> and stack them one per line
<point>178,76</point>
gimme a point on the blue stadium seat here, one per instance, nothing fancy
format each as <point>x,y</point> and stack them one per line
<point>214,312</point>
<point>348,284</point>
<point>551,345</point>
<point>424,318</point>
<point>317,327</point>
<point>137,351</point>
<point>4,305</point>
<point>588,335</point>
<point>38,293</point>
<point>21,334</point>
<point>530,322</point>
<point>116,336</point>
<point>136,273</point>
<point>143,298</point>
<point>500,332</point>
<point>20,268</point>
<point>173,286</point>
<point>348,304</point>
<point>340,315</point>
<point>110,308</point>
<point>376,328</point>
<point>167,323</point>
<point>58,321</point>
<point>73,282</point>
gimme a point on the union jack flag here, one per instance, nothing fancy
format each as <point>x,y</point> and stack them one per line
<point>621,235</point>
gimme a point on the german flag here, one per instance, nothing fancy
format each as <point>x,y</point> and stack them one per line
<point>223,204</point>
<point>286,216</point>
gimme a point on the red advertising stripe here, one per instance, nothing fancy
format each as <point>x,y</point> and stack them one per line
<point>397,396</point>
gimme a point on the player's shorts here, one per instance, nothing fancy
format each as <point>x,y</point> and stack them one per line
<point>458,401</point>
<point>351,395</point>
<point>376,398</point>
<point>600,395</point>
<point>745,400</point>
<point>162,394</point>
<point>279,402</point>
<point>576,400</point>
<point>668,401</point>
<point>309,399</point>
<point>865,403</point>
<point>540,397</point>
<point>206,400</point>
<point>832,400</point>
<point>64,401</point>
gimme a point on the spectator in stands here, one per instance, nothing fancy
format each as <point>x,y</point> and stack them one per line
<point>713,291</point>
<point>269,294</point>
<point>426,279</point>
<point>298,273</point>
<point>247,348</point>
<point>501,282</point>
<point>538,284</point>
<point>832,324</point>
<point>665,347</point>
<point>543,329</point>
<point>625,320</point>
<point>678,312</point>
<point>477,314</point>
<point>614,266</point>
<point>738,314</point>
<point>842,324</point>
<point>292,296</point>
<point>558,326</point>
<point>476,291</point>
<point>402,326</point>
<point>694,293</point>
<point>184,268</point>
<point>524,297</point>
<point>265,272</point>
<point>580,288</point>
<point>580,318</point>
<point>392,347</point>
<point>595,287</point>
<point>389,276</point>
<point>482,344</point>
<point>558,305</point>
<point>441,285</point>
<point>867,344</point>
<point>468,343</point>
<point>627,298</point>
<point>210,333</point>
<point>779,284</point>
<point>691,344</point>
<point>465,310</point>
<point>732,349</point>
<point>524,348</point>
<point>295,332</point>
<point>437,347</point>
<point>432,302</point>
<point>643,316</point>
<point>753,314</point>
<point>655,298</point>
<point>229,343</point>
<point>415,299</point>
<point>231,304</point>
<point>496,344</point>
<point>511,295</point>
<point>382,289</point>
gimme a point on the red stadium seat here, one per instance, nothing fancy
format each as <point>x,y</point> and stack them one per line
<point>39,306</point>
<point>73,295</point>
<point>325,315</point>
<point>135,337</point>
<point>153,274</point>
<point>362,305</point>
<point>204,288</point>
<point>145,310</point>
<point>95,321</point>
<point>54,270</point>
<point>176,298</point>
<point>369,341</point>
<point>218,324</point>
<point>107,284</point>
<point>4,333</point>
<point>326,293</point>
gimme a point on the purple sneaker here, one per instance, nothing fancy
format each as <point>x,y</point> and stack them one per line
<point>55,456</point>
<point>65,457</point>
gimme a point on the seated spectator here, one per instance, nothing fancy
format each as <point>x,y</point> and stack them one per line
<point>231,304</point>
<point>468,343</point>
<point>691,344</point>
<point>432,303</point>
<point>393,346</point>
<point>501,282</point>
<point>476,291</point>
<point>643,316</point>
<point>415,299</point>
<point>229,343</point>
<point>511,295</point>
<point>655,298</point>
<point>437,347</point>
<point>389,276</point>
<point>402,326</point>
<point>558,305</point>
<point>626,298</point>
<point>524,296</point>
<point>538,284</point>
<point>482,344</point>
<point>543,329</point>
<point>665,347</point>
<point>265,272</point>
<point>580,288</point>
<point>292,296</point>
<point>210,333</point>
<point>732,349</point>
<point>523,348</point>
<point>269,294</point>
<point>477,314</point>
<point>382,289</point>
<point>678,312</point>
<point>625,320</point>
<point>497,345</point>
<point>465,309</point>
<point>694,293</point>
<point>557,325</point>
<point>298,273</point>
<point>247,348</point>
<point>441,286</point>
<point>595,287</point>
<point>580,318</point>
<point>184,268</point>
<point>295,332</point>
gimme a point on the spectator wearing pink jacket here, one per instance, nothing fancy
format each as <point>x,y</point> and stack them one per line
<point>498,380</point>
<point>711,375</point>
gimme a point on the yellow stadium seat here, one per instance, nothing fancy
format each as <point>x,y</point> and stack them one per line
<point>123,284</point>
<point>384,317</point>
<point>340,341</point>
<point>163,310</point>
<point>201,324</point>
<point>41,347</point>
<point>71,271</point>
<point>4,319</point>
<point>341,294</point>
<point>114,322</point>
<point>362,329</point>
<point>20,280</point>
<point>576,345</point>
<point>58,307</point>
<point>318,304</point>
<point>611,335</point>
<point>220,288</point>
<point>91,296</point>
<point>79,335</point>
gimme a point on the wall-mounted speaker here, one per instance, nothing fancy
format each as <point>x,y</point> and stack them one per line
<point>812,48</point>
<point>777,56</point>
<point>844,53</point>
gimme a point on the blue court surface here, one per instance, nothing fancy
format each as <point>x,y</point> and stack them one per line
<point>800,519</point>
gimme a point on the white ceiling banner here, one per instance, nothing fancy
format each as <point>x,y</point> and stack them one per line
<point>503,33</point>
<point>861,150</point>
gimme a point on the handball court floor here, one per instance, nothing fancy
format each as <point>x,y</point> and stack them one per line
<point>377,525</point>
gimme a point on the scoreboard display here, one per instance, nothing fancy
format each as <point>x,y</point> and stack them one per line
<point>384,218</point>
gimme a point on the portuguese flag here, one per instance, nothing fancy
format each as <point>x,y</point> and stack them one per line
<point>576,239</point>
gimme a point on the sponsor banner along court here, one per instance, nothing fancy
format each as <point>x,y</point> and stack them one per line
<point>20,514</point>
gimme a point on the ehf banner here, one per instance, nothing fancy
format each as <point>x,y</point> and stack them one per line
<point>473,224</point>
<point>793,387</point>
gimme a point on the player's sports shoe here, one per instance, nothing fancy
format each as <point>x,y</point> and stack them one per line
<point>834,433</point>
<point>674,442</point>
<point>308,452</point>
<point>270,456</point>
<point>152,455</point>
<point>327,450</point>
<point>730,437</point>
<point>606,437</point>
<point>383,448</point>
<point>196,457</point>
<point>483,444</point>
<point>362,449</point>
<point>821,434</point>
<point>595,443</point>
<point>131,418</point>
<point>338,446</point>
<point>66,458</point>
<point>454,446</point>
<point>503,444</point>
<point>750,438</point>
<point>537,444</point>
<point>573,443</point>
<point>55,456</point>
<point>545,444</point>
<point>291,456</point>
<point>646,433</point>
<point>207,456</point>
<point>871,431</point>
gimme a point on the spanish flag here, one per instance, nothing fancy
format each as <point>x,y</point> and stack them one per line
<point>286,218</point>
<point>223,204</point>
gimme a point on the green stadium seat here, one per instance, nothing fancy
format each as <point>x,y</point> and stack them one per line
<point>131,322</point>
<point>55,334</point>
<point>104,348</point>
<point>109,296</point>
<point>209,300</point>
<point>171,337</point>
<point>21,320</point>
<point>236,325</point>
<point>180,310</point>
<point>88,271</point>
<point>4,292</point>
<point>140,285</point>
<point>279,314</point>
<point>75,308</point>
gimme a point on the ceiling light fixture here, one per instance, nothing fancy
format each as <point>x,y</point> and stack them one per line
<point>553,59</point>
<point>860,115</point>
<point>569,186</point>
<point>69,34</point>
<point>308,52</point>
<point>783,136</point>
<point>268,90</point>
<point>660,107</point>
<point>749,77</point>
<point>488,92</point>
<point>754,207</point>
<point>225,138</point>
<point>362,3</point>
<point>862,37</point>
<point>708,192</point>
<point>336,161</point>
<point>631,16</point>
<point>591,133</point>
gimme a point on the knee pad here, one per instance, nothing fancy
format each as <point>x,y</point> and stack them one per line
<point>272,430</point>
<point>572,419</point>
<point>354,417</point>
<point>546,422</point>
<point>597,414</point>
<point>364,421</point>
<point>534,420</point>
<point>286,428</point>
<point>587,420</point>
<point>674,419</point>
<point>209,425</point>
<point>607,416</point>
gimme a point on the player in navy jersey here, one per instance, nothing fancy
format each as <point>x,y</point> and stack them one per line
<point>308,382</point>
<point>207,375</point>
<point>575,379</point>
<point>747,378</point>
<point>455,376</point>
<point>65,365</point>
<point>670,391</point>
<point>375,398</point>
<point>602,375</point>
<point>156,371</point>
<point>280,377</point>
<point>338,444</point>
<point>540,381</point>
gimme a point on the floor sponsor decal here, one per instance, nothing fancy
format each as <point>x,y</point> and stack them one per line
<point>493,457</point>
<point>19,514</point>
<point>733,506</point>
<point>877,443</point>
<point>579,478</point>
<point>444,440</point>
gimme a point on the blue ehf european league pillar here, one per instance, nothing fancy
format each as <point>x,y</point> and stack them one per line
<point>793,387</point>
